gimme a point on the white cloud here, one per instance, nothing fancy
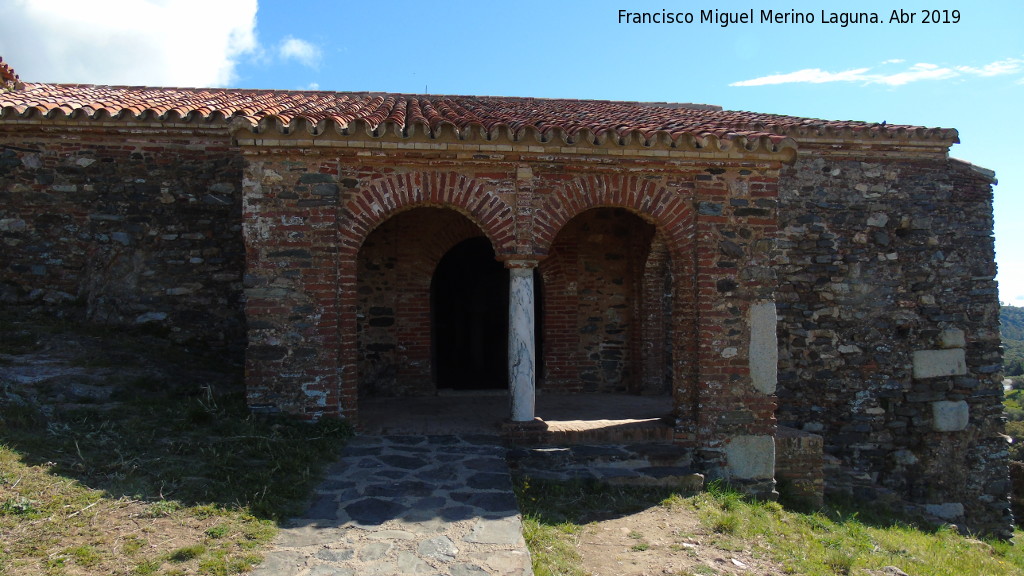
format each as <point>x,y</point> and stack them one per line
<point>141,42</point>
<point>998,68</point>
<point>304,52</point>
<point>809,75</point>
<point>914,73</point>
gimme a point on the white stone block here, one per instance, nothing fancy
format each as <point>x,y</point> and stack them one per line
<point>952,338</point>
<point>751,457</point>
<point>950,416</point>
<point>936,363</point>
<point>947,511</point>
<point>764,347</point>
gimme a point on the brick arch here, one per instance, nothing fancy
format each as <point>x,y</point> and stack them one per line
<point>378,200</point>
<point>394,273</point>
<point>674,219</point>
<point>668,211</point>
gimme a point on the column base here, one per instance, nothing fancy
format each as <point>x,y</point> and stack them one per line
<point>526,432</point>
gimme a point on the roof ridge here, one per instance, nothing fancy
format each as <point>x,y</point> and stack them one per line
<point>569,119</point>
<point>384,94</point>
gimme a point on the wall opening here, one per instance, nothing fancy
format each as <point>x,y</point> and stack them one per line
<point>469,313</point>
<point>395,270</point>
<point>608,306</point>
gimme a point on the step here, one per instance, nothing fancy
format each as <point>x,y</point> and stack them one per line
<point>590,432</point>
<point>623,464</point>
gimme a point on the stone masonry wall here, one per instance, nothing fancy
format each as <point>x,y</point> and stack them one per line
<point>125,229</point>
<point>888,333</point>
<point>799,465</point>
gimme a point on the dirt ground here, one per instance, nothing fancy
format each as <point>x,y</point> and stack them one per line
<point>660,542</point>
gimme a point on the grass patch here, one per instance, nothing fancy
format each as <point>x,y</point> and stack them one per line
<point>187,553</point>
<point>552,547</point>
<point>157,485</point>
<point>835,540</point>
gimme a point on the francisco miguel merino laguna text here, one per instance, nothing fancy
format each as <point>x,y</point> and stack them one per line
<point>844,19</point>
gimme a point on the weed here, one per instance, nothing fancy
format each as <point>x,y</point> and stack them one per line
<point>19,506</point>
<point>726,523</point>
<point>218,531</point>
<point>147,568</point>
<point>163,508</point>
<point>256,533</point>
<point>552,548</point>
<point>640,547</point>
<point>839,561</point>
<point>86,556</point>
<point>187,553</point>
<point>131,545</point>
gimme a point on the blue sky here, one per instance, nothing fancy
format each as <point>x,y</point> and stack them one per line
<point>967,75</point>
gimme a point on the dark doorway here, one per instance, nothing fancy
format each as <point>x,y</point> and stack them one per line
<point>469,306</point>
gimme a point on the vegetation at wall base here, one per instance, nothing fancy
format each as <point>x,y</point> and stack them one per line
<point>151,485</point>
<point>838,539</point>
<point>1011,319</point>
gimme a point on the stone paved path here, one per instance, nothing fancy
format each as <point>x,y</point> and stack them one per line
<point>431,505</point>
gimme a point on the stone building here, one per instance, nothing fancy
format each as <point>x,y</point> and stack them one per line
<point>832,280</point>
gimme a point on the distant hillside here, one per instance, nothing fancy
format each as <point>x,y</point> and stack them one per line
<point>1011,320</point>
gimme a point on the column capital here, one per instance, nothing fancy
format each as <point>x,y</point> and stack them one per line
<point>520,260</point>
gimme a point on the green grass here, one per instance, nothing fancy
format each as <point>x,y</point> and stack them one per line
<point>157,485</point>
<point>551,533</point>
<point>834,540</point>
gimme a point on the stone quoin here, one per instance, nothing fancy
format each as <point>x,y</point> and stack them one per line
<point>831,279</point>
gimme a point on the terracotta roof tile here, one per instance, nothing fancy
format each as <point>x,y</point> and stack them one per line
<point>488,117</point>
<point>8,79</point>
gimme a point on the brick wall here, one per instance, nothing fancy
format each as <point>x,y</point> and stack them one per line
<point>593,289</point>
<point>889,344</point>
<point>636,238</point>
<point>125,229</point>
<point>396,267</point>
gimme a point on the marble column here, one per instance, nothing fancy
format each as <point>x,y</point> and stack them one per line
<point>521,349</point>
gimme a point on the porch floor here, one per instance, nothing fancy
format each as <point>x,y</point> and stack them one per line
<point>569,418</point>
